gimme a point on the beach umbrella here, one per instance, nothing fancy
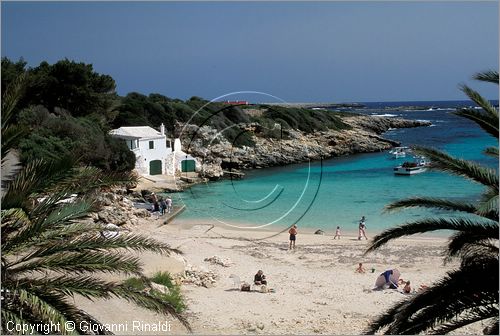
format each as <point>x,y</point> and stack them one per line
<point>388,277</point>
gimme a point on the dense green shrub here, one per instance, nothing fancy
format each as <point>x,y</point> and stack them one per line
<point>305,120</point>
<point>174,295</point>
<point>238,137</point>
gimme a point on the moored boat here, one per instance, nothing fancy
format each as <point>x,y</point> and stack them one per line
<point>419,165</point>
<point>399,152</point>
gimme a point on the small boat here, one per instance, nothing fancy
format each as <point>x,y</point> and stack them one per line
<point>399,152</point>
<point>419,165</point>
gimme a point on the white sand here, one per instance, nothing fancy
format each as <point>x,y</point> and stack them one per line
<point>317,290</point>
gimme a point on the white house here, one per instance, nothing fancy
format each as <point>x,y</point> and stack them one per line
<point>179,161</point>
<point>151,148</point>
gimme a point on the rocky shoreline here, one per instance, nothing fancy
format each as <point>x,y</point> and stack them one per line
<point>217,155</point>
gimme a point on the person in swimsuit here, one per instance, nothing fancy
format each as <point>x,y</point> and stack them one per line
<point>293,234</point>
<point>260,278</point>
<point>337,233</point>
<point>360,268</point>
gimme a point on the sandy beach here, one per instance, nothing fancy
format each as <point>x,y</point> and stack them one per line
<point>316,288</point>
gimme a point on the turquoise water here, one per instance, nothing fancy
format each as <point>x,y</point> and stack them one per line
<point>337,192</point>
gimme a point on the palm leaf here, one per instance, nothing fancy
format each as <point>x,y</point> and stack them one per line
<point>472,243</point>
<point>80,263</point>
<point>10,98</point>
<point>433,224</point>
<point>72,313</point>
<point>492,328</point>
<point>27,235</point>
<point>486,122</point>
<point>489,109</point>
<point>464,168</point>
<point>86,286</point>
<point>487,76</point>
<point>491,151</point>
<point>479,315</point>
<point>93,241</point>
<point>151,302</point>
<point>430,202</point>
<point>14,317</point>
<point>42,309</point>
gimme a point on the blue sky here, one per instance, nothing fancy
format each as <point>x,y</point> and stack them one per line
<point>319,51</point>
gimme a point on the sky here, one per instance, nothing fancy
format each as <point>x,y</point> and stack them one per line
<point>297,51</point>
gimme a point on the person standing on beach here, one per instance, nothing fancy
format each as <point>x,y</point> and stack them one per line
<point>337,233</point>
<point>293,234</point>
<point>362,229</point>
<point>163,206</point>
<point>169,204</point>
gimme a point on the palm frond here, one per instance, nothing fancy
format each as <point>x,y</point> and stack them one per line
<point>478,315</point>
<point>488,207</point>
<point>91,240</point>
<point>460,167</point>
<point>72,313</point>
<point>492,328</point>
<point>473,242</point>
<point>432,224</point>
<point>80,263</point>
<point>35,305</point>
<point>10,99</point>
<point>11,134</point>
<point>430,202</point>
<point>34,177</point>
<point>489,109</point>
<point>486,122</point>
<point>151,302</point>
<point>491,151</point>
<point>27,235</point>
<point>487,76</point>
<point>86,286</point>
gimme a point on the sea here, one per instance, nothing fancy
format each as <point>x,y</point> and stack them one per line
<point>338,191</point>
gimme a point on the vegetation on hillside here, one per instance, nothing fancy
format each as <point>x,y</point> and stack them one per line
<point>66,109</point>
<point>69,110</point>
<point>468,294</point>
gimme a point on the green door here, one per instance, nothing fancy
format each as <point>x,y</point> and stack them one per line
<point>188,166</point>
<point>155,167</point>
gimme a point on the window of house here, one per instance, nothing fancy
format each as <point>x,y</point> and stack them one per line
<point>151,145</point>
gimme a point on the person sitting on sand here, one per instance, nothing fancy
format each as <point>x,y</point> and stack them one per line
<point>422,287</point>
<point>260,278</point>
<point>407,288</point>
<point>360,268</point>
<point>337,232</point>
<point>293,234</point>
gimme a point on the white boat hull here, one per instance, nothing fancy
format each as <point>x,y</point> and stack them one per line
<point>409,170</point>
<point>398,155</point>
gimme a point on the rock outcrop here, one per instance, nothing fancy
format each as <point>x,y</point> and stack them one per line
<point>216,153</point>
<point>115,208</point>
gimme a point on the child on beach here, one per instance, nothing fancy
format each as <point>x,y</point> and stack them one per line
<point>360,268</point>
<point>293,234</point>
<point>337,232</point>
<point>407,288</point>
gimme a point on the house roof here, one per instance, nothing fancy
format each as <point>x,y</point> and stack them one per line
<point>136,132</point>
